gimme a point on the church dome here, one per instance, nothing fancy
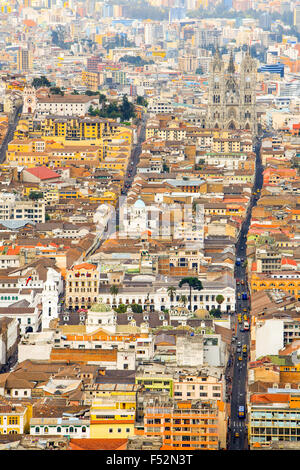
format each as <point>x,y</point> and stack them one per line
<point>139,204</point>
<point>201,313</point>
<point>99,307</point>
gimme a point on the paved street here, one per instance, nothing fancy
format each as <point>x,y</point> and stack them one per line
<point>135,154</point>
<point>10,133</point>
<point>238,438</point>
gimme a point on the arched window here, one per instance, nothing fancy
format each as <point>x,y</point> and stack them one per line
<point>37,430</point>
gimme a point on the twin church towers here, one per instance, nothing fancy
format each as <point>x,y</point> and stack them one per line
<point>232,98</point>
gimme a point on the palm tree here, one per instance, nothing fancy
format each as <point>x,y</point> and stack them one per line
<point>219,299</point>
<point>171,291</point>
<point>183,299</point>
<point>193,283</point>
<point>114,291</point>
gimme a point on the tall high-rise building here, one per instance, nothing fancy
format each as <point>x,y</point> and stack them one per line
<point>24,60</point>
<point>297,17</point>
<point>232,98</point>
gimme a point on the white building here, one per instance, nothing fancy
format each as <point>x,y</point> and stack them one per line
<point>59,105</point>
<point>12,208</point>
<point>142,287</point>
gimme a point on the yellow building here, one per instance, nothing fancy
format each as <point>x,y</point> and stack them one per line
<point>291,285</point>
<point>113,416</point>
<point>14,418</point>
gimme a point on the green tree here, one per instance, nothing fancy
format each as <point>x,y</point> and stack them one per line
<point>114,291</point>
<point>183,299</point>
<point>92,111</point>
<point>102,98</point>
<point>127,109</point>
<point>171,292</point>
<point>56,90</point>
<point>215,313</point>
<point>136,308</point>
<point>91,93</point>
<point>194,284</point>
<point>141,101</point>
<point>34,195</point>
<point>219,299</point>
<point>122,308</point>
<point>41,82</point>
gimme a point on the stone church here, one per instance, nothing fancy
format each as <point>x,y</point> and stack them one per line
<point>232,97</point>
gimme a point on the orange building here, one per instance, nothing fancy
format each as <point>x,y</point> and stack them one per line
<point>187,425</point>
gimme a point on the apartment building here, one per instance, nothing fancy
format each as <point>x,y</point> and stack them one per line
<point>24,60</point>
<point>203,385</point>
<point>113,417</point>
<point>273,334</point>
<point>192,425</point>
<point>273,417</point>
<point>11,208</point>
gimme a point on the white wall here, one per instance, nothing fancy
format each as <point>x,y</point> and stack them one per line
<point>269,337</point>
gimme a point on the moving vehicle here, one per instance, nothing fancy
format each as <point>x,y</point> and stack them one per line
<point>241,412</point>
<point>244,296</point>
<point>238,262</point>
<point>236,434</point>
<point>240,358</point>
<point>246,326</point>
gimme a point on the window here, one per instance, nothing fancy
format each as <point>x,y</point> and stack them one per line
<point>13,420</point>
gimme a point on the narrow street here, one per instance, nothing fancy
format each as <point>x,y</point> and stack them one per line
<point>114,221</point>
<point>10,133</point>
<point>238,436</point>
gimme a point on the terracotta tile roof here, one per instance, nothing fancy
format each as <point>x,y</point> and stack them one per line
<point>98,444</point>
<point>42,172</point>
<point>270,398</point>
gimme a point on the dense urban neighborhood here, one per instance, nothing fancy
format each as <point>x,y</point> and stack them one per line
<point>149,225</point>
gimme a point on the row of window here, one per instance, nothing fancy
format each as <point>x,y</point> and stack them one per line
<point>71,429</point>
<point>13,297</point>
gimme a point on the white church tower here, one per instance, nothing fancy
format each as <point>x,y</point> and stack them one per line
<point>29,100</point>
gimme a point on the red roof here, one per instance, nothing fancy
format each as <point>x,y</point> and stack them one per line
<point>270,398</point>
<point>288,261</point>
<point>43,173</point>
<point>84,266</point>
<point>98,444</point>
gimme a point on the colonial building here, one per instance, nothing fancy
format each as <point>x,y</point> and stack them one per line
<point>82,286</point>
